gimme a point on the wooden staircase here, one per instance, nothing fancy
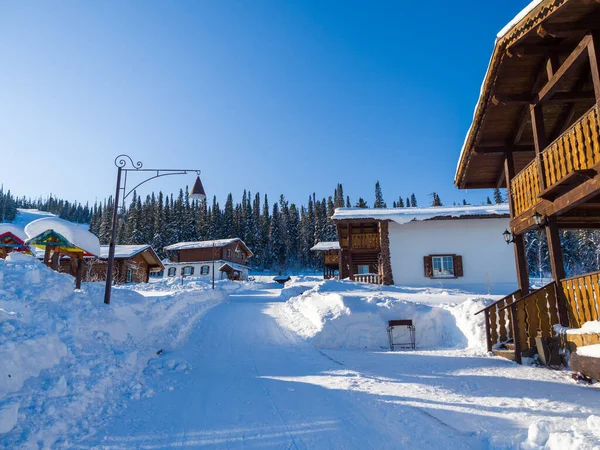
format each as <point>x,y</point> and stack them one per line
<point>513,322</point>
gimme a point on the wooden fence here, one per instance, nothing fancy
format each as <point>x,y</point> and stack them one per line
<point>367,278</point>
<point>497,327</point>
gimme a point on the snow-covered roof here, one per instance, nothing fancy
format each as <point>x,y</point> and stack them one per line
<point>517,18</point>
<point>13,229</point>
<point>206,244</point>
<point>404,215</point>
<point>74,233</point>
<point>323,246</point>
<point>123,251</point>
<point>234,266</point>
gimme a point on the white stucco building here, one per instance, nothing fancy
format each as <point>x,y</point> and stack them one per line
<point>451,247</point>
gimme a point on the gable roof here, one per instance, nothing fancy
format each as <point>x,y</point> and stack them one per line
<point>501,116</point>
<point>14,230</point>
<point>405,215</point>
<point>71,236</point>
<point>129,251</point>
<point>207,244</point>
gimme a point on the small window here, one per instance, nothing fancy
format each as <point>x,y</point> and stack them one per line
<point>172,271</point>
<point>443,266</point>
<point>188,270</point>
<point>156,274</point>
<point>204,270</point>
<point>129,276</point>
<point>363,270</point>
<point>229,253</point>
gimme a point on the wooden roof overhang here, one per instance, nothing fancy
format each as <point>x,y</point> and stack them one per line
<point>522,61</point>
<point>51,238</point>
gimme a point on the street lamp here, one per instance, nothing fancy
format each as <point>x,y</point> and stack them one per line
<point>122,162</point>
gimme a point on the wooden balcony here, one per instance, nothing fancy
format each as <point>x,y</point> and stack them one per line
<point>362,241</point>
<point>367,278</point>
<point>565,164</point>
<point>331,259</point>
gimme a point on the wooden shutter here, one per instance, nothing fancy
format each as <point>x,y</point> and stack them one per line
<point>458,265</point>
<point>192,273</point>
<point>428,266</point>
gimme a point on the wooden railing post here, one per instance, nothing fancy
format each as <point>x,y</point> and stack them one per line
<point>516,338</point>
<point>488,334</point>
<point>539,140</point>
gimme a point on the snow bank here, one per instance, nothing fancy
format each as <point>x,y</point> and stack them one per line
<point>66,357</point>
<point>336,314</point>
<point>72,232</point>
<point>543,434</point>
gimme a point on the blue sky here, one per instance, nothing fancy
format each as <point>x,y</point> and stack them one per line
<point>273,96</point>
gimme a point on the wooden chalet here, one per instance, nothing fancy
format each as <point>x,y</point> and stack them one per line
<point>12,239</point>
<point>536,131</point>
<point>57,238</point>
<point>228,256</point>
<point>365,250</point>
<point>133,264</point>
<point>332,255</point>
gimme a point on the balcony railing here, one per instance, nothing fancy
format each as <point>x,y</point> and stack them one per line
<point>525,187</point>
<point>566,162</point>
<point>362,241</point>
<point>331,259</point>
<point>582,298</point>
<point>367,278</point>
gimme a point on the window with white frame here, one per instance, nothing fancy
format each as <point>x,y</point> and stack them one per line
<point>204,270</point>
<point>129,275</point>
<point>363,269</point>
<point>229,253</point>
<point>443,266</point>
<point>188,270</point>
<point>172,271</point>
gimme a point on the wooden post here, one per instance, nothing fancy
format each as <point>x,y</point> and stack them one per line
<point>488,333</point>
<point>558,268</point>
<point>516,339</point>
<point>55,258</point>
<point>47,255</point>
<point>350,264</point>
<point>518,242</point>
<point>79,271</point>
<point>539,140</point>
<point>594,54</point>
<point>340,263</point>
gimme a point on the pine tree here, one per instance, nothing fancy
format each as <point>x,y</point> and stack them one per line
<point>379,203</point>
<point>498,196</point>
<point>361,203</point>
<point>413,201</point>
<point>489,202</point>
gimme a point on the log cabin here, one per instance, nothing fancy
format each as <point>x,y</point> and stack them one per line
<point>331,253</point>
<point>133,264</point>
<point>536,132</point>
<point>427,247</point>
<point>12,239</point>
<point>229,257</point>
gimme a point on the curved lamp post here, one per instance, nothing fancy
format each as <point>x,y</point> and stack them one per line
<point>125,165</point>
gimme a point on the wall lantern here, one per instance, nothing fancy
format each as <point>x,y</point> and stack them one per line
<point>197,192</point>
<point>538,219</point>
<point>507,236</point>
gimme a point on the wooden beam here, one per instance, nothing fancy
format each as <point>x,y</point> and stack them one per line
<point>594,55</point>
<point>573,60</point>
<point>540,140</point>
<point>483,149</point>
<point>527,99</point>
<point>350,264</point>
<point>568,29</point>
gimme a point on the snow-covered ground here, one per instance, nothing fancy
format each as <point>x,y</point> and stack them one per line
<point>67,360</point>
<point>255,365</point>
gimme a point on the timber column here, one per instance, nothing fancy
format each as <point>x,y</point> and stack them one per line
<point>518,242</point>
<point>384,244</point>
<point>558,267</point>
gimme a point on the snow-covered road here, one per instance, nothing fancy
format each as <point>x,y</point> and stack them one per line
<point>243,381</point>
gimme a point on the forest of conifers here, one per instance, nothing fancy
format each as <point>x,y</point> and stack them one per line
<point>279,233</point>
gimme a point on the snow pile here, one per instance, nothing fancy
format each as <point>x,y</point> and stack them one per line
<point>334,315</point>
<point>13,229</point>
<point>592,351</point>
<point>583,434</point>
<point>67,357</point>
<point>593,326</point>
<point>74,233</point>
